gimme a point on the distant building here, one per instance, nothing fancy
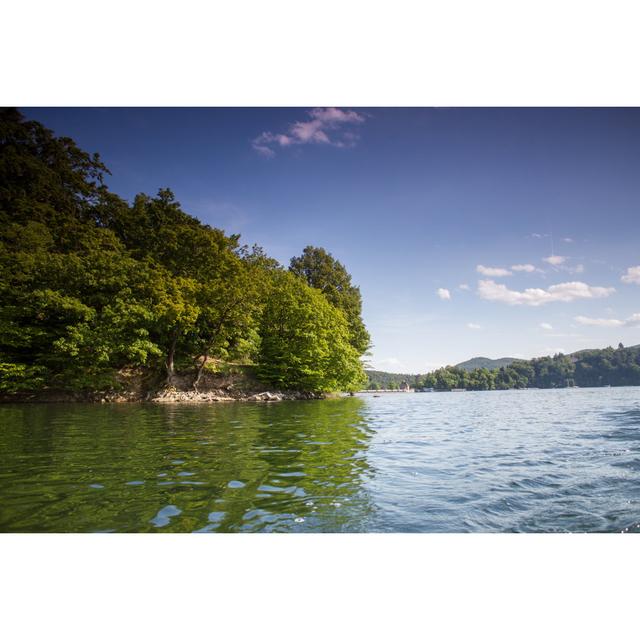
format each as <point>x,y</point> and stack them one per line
<point>404,386</point>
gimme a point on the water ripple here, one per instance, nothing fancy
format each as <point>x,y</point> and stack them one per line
<point>532,461</point>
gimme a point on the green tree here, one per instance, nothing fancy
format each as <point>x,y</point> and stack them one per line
<point>91,285</point>
<point>304,340</point>
<point>322,271</point>
<point>64,278</point>
<point>44,178</point>
<point>227,327</point>
<point>480,380</point>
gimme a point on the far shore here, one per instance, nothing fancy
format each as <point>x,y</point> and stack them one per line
<point>387,391</point>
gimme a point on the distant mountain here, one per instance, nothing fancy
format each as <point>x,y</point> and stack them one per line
<point>488,363</point>
<point>484,363</point>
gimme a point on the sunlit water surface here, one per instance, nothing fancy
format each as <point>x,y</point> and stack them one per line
<point>547,460</point>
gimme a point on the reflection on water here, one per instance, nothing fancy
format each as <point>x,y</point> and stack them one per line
<point>267,467</point>
<point>539,460</point>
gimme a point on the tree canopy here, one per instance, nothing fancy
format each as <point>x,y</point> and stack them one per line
<point>323,272</point>
<point>91,284</point>
<point>305,340</point>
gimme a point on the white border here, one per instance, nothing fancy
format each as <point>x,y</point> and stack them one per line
<point>318,586</point>
<point>334,52</point>
<point>344,52</point>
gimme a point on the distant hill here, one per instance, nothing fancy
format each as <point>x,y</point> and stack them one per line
<point>488,363</point>
<point>484,363</point>
<point>608,367</point>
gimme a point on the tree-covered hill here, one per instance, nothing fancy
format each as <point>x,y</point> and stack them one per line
<point>484,363</point>
<point>91,285</point>
<point>586,368</point>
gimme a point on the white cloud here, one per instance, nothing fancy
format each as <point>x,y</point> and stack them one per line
<point>473,325</point>
<point>561,264</point>
<point>555,260</point>
<point>564,292</point>
<point>632,321</point>
<point>568,239</point>
<point>444,294</point>
<point>632,276</point>
<point>527,268</point>
<point>464,287</point>
<point>325,126</point>
<point>598,322</point>
<point>492,272</point>
<point>546,326</point>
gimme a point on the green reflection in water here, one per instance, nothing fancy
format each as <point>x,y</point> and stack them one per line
<point>290,466</point>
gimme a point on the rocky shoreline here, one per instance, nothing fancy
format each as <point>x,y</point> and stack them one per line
<point>139,385</point>
<point>165,396</point>
<point>173,396</point>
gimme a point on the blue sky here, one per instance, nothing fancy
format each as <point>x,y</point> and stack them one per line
<point>495,232</point>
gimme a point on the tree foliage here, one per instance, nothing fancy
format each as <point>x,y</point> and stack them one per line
<point>305,340</point>
<point>90,284</point>
<point>323,272</point>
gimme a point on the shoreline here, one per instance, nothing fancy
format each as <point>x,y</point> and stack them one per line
<point>166,396</point>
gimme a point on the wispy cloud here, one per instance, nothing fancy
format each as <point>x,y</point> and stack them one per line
<point>632,276</point>
<point>569,240</point>
<point>562,263</point>
<point>464,287</point>
<point>527,268</point>
<point>473,325</point>
<point>325,125</point>
<point>493,272</point>
<point>546,326</point>
<point>444,294</point>
<point>564,292</point>
<point>632,321</point>
<point>598,322</point>
<point>555,260</point>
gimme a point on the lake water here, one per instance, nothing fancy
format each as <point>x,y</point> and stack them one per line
<point>536,460</point>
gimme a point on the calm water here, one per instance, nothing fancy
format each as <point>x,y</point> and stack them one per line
<point>556,460</point>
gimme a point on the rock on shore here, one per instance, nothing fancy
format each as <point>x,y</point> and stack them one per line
<point>216,395</point>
